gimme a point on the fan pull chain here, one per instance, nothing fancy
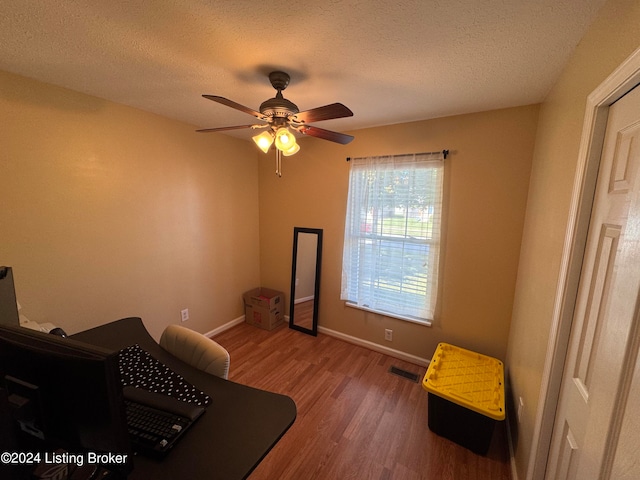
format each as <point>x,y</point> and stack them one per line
<point>278,163</point>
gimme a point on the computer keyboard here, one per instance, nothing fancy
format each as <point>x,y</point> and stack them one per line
<point>155,421</point>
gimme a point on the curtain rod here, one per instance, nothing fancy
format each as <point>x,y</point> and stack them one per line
<point>443,152</point>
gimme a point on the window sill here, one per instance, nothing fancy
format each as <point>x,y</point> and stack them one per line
<point>424,323</point>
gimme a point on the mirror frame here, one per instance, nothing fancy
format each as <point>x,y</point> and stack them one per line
<point>316,296</point>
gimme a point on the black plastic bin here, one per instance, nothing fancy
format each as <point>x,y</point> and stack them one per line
<point>461,425</point>
<point>466,396</point>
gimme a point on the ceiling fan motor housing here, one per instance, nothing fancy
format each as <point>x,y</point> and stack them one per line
<point>278,107</point>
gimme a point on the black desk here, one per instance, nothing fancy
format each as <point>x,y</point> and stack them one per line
<point>238,429</point>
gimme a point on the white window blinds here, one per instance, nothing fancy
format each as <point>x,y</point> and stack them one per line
<point>392,235</point>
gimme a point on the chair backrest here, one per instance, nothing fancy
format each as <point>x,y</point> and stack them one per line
<point>196,349</point>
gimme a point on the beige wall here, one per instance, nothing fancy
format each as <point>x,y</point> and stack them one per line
<point>107,211</point>
<point>613,37</point>
<point>487,176</point>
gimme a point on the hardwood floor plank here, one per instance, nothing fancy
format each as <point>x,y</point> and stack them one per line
<point>355,419</point>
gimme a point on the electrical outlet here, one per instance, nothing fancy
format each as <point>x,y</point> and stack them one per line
<point>388,335</point>
<point>520,408</point>
<point>184,314</point>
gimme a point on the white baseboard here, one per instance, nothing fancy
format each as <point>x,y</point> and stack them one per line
<point>342,336</point>
<point>376,347</point>
<point>224,327</point>
<point>303,299</point>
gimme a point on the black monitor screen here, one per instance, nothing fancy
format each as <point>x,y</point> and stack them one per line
<point>58,393</point>
<point>8,305</point>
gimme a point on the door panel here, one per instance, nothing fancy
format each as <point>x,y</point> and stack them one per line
<point>597,299</point>
<point>602,347</point>
<point>566,468</point>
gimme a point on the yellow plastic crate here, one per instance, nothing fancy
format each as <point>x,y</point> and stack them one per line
<point>467,378</point>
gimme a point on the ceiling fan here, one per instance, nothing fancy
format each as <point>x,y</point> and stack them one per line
<point>279,115</point>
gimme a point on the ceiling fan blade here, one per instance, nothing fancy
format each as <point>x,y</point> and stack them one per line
<point>222,129</point>
<point>328,112</point>
<point>232,104</point>
<point>325,134</point>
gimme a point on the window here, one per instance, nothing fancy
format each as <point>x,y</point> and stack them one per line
<point>392,235</point>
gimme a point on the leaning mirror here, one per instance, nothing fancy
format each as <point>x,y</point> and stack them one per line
<point>305,279</point>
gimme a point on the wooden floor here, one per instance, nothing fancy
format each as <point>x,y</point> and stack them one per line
<point>355,419</point>
<point>304,314</point>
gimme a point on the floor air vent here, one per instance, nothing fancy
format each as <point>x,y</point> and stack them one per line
<point>404,374</point>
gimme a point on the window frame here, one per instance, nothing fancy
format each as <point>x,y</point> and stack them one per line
<point>433,164</point>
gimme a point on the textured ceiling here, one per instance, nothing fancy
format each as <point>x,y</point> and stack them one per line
<point>389,61</point>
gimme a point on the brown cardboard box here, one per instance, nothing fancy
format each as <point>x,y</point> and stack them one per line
<point>264,307</point>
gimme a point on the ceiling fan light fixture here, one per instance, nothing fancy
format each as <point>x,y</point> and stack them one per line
<point>285,140</point>
<point>292,151</point>
<point>278,113</point>
<point>264,141</point>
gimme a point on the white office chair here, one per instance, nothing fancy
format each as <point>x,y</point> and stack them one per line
<point>197,350</point>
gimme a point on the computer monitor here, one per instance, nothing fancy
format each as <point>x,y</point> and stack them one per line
<point>58,393</point>
<point>8,304</point>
